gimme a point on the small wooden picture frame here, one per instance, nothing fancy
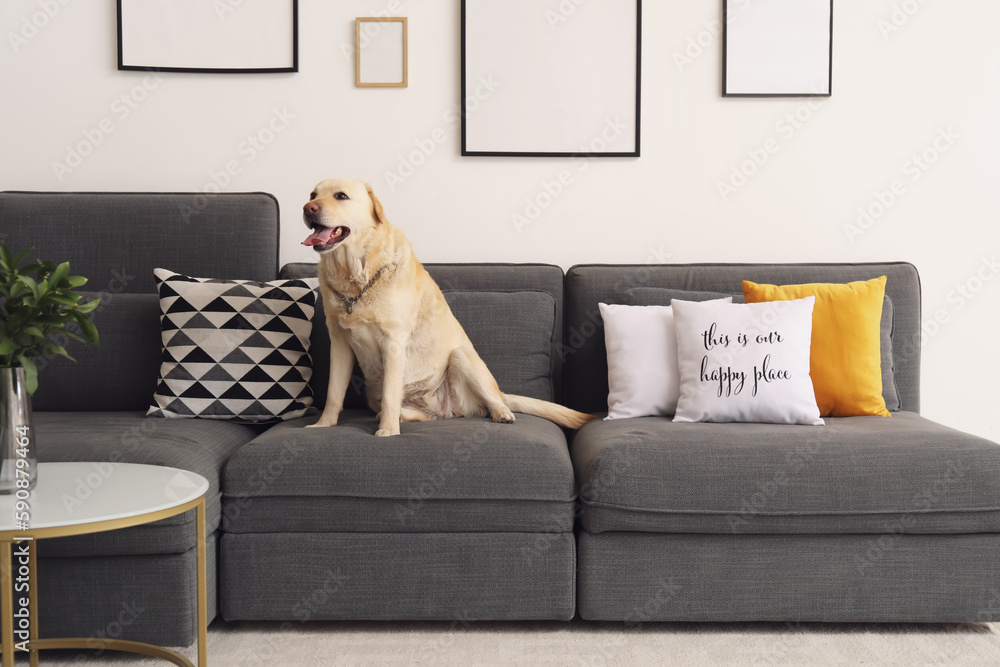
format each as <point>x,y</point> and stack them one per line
<point>380,52</point>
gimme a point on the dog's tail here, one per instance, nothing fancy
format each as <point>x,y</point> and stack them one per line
<point>551,411</point>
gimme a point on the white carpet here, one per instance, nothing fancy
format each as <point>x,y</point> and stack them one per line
<point>579,643</point>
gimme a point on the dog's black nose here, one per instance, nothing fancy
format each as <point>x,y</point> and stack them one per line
<point>311,208</point>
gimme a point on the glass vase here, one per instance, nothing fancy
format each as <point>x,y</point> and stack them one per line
<point>17,433</point>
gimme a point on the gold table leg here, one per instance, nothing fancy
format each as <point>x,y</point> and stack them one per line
<point>202,585</point>
<point>6,605</point>
<point>33,600</point>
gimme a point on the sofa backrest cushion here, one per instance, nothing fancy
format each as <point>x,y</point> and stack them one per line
<point>512,332</point>
<point>584,355</point>
<point>116,240</point>
<point>120,373</point>
<point>512,313</point>
<point>660,296</point>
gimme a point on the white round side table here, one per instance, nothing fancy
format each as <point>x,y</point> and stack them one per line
<point>113,496</point>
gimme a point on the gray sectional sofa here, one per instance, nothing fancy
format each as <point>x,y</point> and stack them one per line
<point>867,519</point>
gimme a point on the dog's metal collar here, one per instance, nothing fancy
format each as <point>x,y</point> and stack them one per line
<point>350,301</point>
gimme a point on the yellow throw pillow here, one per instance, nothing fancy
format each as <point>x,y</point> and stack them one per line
<point>846,358</point>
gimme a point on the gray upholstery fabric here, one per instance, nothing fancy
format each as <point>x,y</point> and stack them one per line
<point>201,446</point>
<point>600,519</point>
<point>118,374</point>
<point>890,392</point>
<point>319,514</point>
<point>169,536</point>
<point>585,357</point>
<point>749,478</point>
<point>656,296</point>
<point>117,239</point>
<point>452,459</point>
<point>399,576</point>
<point>641,577</point>
<point>662,296</point>
<point>319,350</point>
<point>512,332</point>
<point>149,599</point>
<point>467,278</point>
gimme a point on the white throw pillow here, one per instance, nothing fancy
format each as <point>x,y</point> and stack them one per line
<point>643,379</point>
<point>745,362</point>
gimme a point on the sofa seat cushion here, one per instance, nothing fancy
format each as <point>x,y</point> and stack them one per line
<point>107,438</point>
<point>903,474</point>
<point>457,475</point>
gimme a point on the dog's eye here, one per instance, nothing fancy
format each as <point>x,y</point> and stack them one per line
<point>312,196</point>
<point>341,195</point>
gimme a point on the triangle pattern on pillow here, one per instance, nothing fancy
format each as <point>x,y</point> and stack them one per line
<point>235,350</point>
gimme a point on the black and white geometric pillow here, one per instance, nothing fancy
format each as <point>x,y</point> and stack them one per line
<point>234,349</point>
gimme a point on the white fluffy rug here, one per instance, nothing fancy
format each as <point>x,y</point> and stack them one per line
<point>579,643</point>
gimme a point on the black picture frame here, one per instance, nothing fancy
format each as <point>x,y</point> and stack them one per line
<point>726,52</point>
<point>152,67</point>
<point>471,151</point>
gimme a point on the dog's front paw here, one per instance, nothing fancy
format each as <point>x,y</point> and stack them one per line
<point>503,415</point>
<point>386,432</point>
<point>328,417</point>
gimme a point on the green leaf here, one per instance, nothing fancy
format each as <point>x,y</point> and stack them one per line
<point>5,257</point>
<point>30,372</point>
<point>76,281</point>
<point>18,289</point>
<point>51,348</point>
<point>29,283</point>
<point>7,346</point>
<point>38,267</point>
<point>88,328</point>
<point>88,307</point>
<point>33,331</point>
<point>74,336</point>
<point>59,275</point>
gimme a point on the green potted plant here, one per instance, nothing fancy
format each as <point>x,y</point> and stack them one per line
<point>36,301</point>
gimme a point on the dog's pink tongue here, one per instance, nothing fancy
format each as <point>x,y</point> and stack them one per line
<point>319,237</point>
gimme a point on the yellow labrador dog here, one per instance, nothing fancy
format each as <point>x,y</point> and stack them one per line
<point>383,308</point>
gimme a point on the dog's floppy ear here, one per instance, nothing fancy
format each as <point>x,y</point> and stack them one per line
<point>377,211</point>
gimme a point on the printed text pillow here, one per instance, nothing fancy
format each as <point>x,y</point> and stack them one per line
<point>745,362</point>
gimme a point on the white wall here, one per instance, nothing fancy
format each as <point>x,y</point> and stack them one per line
<point>893,94</point>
